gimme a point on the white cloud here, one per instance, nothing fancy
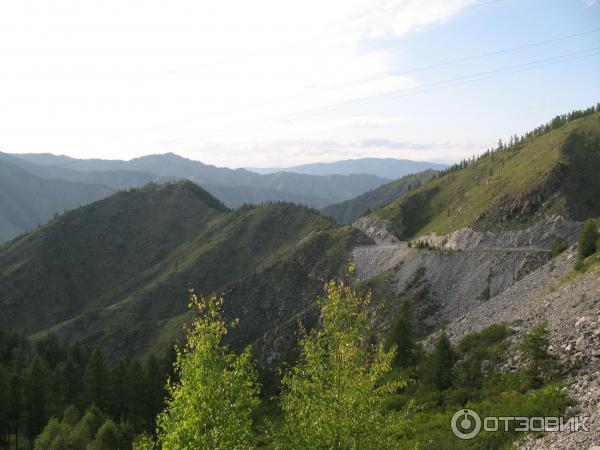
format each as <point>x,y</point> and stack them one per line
<point>113,78</point>
<point>589,3</point>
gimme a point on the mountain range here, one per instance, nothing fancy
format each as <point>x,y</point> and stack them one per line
<point>93,179</point>
<point>115,273</point>
<point>383,167</point>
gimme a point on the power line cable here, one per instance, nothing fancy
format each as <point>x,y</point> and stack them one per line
<point>379,97</point>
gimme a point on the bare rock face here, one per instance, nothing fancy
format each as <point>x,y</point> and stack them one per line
<point>376,229</point>
<point>540,235</point>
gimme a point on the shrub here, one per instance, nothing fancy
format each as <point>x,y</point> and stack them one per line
<point>558,247</point>
<point>587,240</point>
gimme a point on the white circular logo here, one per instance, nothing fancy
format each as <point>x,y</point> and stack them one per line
<point>465,424</point>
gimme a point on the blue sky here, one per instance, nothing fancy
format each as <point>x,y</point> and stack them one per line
<point>279,83</point>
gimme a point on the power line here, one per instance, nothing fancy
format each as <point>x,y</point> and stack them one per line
<point>421,69</point>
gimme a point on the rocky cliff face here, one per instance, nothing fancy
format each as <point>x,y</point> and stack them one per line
<point>540,236</point>
<point>376,229</point>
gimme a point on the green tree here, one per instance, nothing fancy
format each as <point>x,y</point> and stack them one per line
<point>136,391</point>
<point>95,379</point>
<point>402,336</point>
<point>37,377</point>
<point>4,402</point>
<point>69,374</point>
<point>587,240</point>
<point>534,348</point>
<point>335,396</point>
<point>154,390</point>
<point>86,429</point>
<point>211,405</point>
<point>52,433</point>
<point>439,364</point>
<point>107,438</point>
<point>16,404</point>
<point>558,246</point>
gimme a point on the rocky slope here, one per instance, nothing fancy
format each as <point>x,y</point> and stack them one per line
<point>569,303</point>
<point>462,271</point>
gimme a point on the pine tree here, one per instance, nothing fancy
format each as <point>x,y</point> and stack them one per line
<point>211,405</point>
<point>438,366</point>
<point>16,404</point>
<point>334,397</point>
<point>36,385</point>
<point>135,398</point>
<point>96,379</point>
<point>4,402</point>
<point>587,240</point>
<point>402,336</point>
<point>534,348</point>
<point>107,437</point>
<point>154,390</point>
<point>69,374</point>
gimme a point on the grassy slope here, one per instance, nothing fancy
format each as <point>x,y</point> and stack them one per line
<point>552,173</point>
<point>116,273</point>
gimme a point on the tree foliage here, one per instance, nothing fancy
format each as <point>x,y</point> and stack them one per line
<point>438,366</point>
<point>587,239</point>
<point>211,405</point>
<point>334,397</point>
<point>534,348</point>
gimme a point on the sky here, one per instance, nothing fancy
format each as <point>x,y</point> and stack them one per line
<point>276,83</point>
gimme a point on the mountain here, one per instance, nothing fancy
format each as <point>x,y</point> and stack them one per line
<point>316,191</point>
<point>114,179</point>
<point>115,273</point>
<point>382,167</point>
<point>545,173</point>
<point>350,210</point>
<point>26,201</point>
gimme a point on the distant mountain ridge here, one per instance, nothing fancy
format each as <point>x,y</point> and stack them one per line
<point>232,187</point>
<point>350,210</point>
<point>169,166</point>
<point>383,167</point>
<point>27,201</point>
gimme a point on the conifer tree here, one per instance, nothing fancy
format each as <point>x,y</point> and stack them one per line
<point>439,364</point>
<point>96,379</point>
<point>534,348</point>
<point>107,437</point>
<point>36,385</point>
<point>587,239</point>
<point>402,336</point>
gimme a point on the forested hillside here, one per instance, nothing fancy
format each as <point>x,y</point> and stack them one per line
<point>115,273</point>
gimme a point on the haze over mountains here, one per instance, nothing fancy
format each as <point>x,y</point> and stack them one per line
<point>383,167</point>
<point>93,179</point>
